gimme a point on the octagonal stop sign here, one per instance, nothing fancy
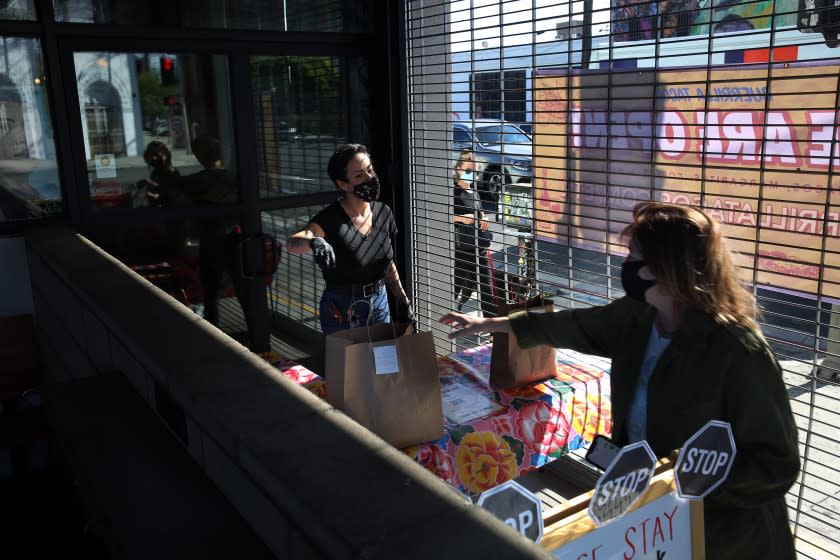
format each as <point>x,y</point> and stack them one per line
<point>705,460</point>
<point>517,507</point>
<point>624,481</point>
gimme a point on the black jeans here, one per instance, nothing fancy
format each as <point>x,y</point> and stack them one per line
<point>467,260</point>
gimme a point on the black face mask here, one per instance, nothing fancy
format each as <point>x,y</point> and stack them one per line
<point>634,286</point>
<point>369,190</point>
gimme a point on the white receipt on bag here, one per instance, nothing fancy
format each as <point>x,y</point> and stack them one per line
<point>385,359</point>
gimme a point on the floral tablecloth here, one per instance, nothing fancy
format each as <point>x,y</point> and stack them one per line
<point>297,373</point>
<point>527,428</point>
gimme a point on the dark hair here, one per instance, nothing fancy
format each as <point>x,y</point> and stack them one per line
<point>156,148</point>
<point>337,166</point>
<point>207,150</point>
<point>686,252</point>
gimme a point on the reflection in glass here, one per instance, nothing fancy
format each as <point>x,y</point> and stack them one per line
<point>17,10</point>
<point>131,101</point>
<point>300,107</point>
<point>157,132</point>
<point>290,15</point>
<point>29,184</point>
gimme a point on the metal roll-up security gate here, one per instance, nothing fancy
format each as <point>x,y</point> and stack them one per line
<point>578,111</point>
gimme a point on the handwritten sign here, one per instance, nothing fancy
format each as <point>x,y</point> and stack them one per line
<point>659,530</point>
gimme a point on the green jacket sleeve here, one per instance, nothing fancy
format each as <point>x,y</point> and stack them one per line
<point>594,330</point>
<point>758,407</point>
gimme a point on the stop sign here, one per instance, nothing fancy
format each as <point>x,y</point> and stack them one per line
<point>517,507</point>
<point>624,481</point>
<point>705,460</point>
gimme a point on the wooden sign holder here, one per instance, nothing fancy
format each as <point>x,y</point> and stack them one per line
<point>571,522</point>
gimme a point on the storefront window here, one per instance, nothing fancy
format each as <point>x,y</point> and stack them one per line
<point>29,184</point>
<point>138,108</point>
<point>290,15</point>
<point>17,10</point>
<point>300,108</point>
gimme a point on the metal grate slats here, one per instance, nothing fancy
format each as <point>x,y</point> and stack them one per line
<point>757,146</point>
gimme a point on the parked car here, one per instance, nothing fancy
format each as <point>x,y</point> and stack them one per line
<point>160,127</point>
<point>504,150</point>
<point>286,132</point>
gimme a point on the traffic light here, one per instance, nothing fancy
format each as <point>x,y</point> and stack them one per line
<point>167,70</point>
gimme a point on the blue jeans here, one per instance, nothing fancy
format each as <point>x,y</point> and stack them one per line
<point>338,312</point>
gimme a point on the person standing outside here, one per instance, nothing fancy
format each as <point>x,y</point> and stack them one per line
<point>472,238</point>
<point>351,240</point>
<point>685,349</point>
<point>210,186</point>
<point>162,184</point>
<point>156,243</point>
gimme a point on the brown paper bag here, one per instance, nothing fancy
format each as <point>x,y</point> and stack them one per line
<point>404,407</point>
<point>510,365</point>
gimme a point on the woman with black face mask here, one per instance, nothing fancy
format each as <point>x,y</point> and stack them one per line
<point>685,349</point>
<point>351,240</point>
<point>161,185</point>
<point>472,238</point>
<point>161,241</point>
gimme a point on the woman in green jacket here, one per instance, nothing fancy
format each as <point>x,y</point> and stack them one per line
<point>686,349</point>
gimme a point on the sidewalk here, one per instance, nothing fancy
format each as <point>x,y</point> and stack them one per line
<point>814,404</point>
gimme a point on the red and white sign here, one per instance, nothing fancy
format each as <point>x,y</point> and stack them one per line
<point>658,530</point>
<point>755,145</point>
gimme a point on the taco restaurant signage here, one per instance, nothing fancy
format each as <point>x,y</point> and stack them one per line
<point>758,150</point>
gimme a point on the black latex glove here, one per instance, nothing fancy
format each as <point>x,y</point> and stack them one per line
<point>323,253</point>
<point>410,317</point>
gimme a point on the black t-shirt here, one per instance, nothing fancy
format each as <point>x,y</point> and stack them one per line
<point>466,202</point>
<point>359,259</point>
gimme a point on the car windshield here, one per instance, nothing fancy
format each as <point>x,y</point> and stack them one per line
<point>501,134</point>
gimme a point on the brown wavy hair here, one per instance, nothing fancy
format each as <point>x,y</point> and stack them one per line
<point>686,252</point>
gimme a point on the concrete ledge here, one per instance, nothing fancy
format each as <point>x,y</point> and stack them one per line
<point>308,479</point>
<point>255,505</point>
<point>147,498</point>
<point>67,358</point>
